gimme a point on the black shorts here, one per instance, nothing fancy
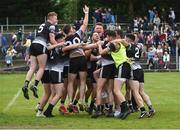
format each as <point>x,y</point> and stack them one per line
<point>138,75</point>
<point>78,64</point>
<point>45,77</point>
<point>52,77</point>
<point>65,71</point>
<point>37,49</point>
<point>108,71</point>
<point>123,71</point>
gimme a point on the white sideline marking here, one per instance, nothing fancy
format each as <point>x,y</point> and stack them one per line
<point>12,101</point>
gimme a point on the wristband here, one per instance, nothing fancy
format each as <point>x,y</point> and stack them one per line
<point>98,57</point>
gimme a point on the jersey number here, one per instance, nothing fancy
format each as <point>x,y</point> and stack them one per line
<point>137,55</point>
<point>74,41</point>
<point>41,28</point>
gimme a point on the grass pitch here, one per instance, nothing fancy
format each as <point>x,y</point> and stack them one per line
<point>163,88</point>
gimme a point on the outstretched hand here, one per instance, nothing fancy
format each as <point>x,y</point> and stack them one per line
<point>86,9</point>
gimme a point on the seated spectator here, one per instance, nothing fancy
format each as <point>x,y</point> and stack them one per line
<point>166,60</point>
<point>166,48</point>
<point>9,56</point>
<point>159,51</point>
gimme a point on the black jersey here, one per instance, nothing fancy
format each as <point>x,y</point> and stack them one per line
<point>134,52</point>
<point>74,39</point>
<point>107,58</point>
<point>43,31</point>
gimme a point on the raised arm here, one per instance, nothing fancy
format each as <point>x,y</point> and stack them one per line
<point>86,19</point>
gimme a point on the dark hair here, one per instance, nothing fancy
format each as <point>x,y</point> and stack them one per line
<point>99,23</point>
<point>66,29</point>
<point>111,33</point>
<point>131,36</point>
<point>120,33</point>
<point>59,36</point>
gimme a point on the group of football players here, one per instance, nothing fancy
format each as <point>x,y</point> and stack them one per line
<point>95,71</point>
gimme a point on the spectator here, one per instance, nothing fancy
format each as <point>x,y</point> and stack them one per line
<point>159,51</point>
<point>14,39</point>
<point>150,55</point>
<point>9,56</point>
<point>171,17</point>
<point>178,45</point>
<point>156,61</point>
<point>19,37</point>
<point>97,15</point>
<point>151,15</point>
<point>166,48</point>
<point>163,15</point>
<point>166,60</point>
<point>4,44</point>
<point>157,21</point>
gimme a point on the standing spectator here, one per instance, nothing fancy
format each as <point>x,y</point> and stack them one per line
<point>171,17</point>
<point>3,44</point>
<point>108,15</point>
<point>163,15</point>
<point>104,15</point>
<point>19,37</point>
<point>156,61</point>
<point>135,24</point>
<point>166,60</point>
<point>150,55</point>
<point>157,21</point>
<point>151,15</point>
<point>14,39</point>
<point>97,15</point>
<point>178,45</point>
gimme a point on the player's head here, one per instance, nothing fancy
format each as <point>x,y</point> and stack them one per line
<point>52,17</point>
<point>99,28</point>
<point>111,35</point>
<point>68,29</point>
<point>95,37</point>
<point>59,37</point>
<point>130,38</point>
<point>119,34</point>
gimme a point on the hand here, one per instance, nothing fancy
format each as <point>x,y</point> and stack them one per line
<point>86,9</point>
<point>60,44</point>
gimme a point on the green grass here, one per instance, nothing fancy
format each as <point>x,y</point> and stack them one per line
<point>163,88</point>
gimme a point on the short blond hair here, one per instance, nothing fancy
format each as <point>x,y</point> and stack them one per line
<point>50,14</point>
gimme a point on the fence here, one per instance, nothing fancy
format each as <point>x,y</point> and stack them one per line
<point>26,28</point>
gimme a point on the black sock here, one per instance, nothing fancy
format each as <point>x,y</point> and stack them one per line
<point>26,83</point>
<point>75,102</point>
<point>62,102</point>
<point>92,103</point>
<point>36,82</point>
<point>150,107</point>
<point>129,102</point>
<point>99,108</point>
<point>142,109</point>
<point>110,107</point>
<point>86,100</point>
<point>102,108</point>
<point>106,105</point>
<point>124,106</point>
<point>49,109</point>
